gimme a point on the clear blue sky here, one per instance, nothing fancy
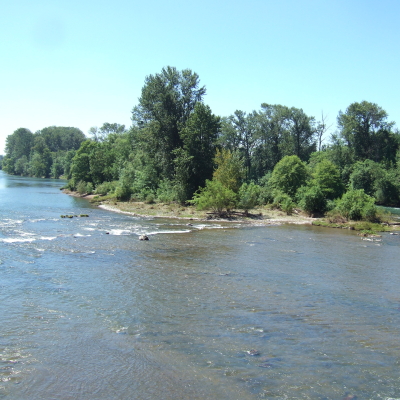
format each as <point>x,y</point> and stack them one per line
<point>83,63</point>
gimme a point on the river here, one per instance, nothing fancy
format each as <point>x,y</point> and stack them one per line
<point>209,311</point>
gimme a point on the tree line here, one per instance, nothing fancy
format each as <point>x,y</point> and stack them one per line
<point>178,150</point>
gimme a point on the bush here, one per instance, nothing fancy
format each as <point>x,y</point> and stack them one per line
<point>311,199</point>
<point>214,196</point>
<point>81,187</point>
<point>357,205</point>
<point>166,191</point>
<point>248,196</point>
<point>289,175</point>
<point>327,176</point>
<point>105,188</point>
<point>123,192</point>
<point>149,198</point>
<point>284,202</point>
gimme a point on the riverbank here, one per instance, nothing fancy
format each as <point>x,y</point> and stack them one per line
<point>260,216</point>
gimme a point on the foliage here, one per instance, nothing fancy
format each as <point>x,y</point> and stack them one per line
<point>357,205</point>
<point>365,129</point>
<point>84,187</point>
<point>284,202</point>
<point>105,188</point>
<point>326,176</point>
<point>311,199</point>
<point>166,192</point>
<point>31,154</point>
<point>288,175</point>
<point>249,194</point>
<point>214,196</point>
<point>229,169</point>
<point>165,105</point>
<point>194,161</point>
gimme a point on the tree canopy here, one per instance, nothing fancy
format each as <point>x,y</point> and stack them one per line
<point>176,149</point>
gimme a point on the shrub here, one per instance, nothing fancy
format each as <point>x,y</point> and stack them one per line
<point>149,198</point>
<point>214,196</point>
<point>284,202</point>
<point>166,191</point>
<point>357,205</point>
<point>289,175</point>
<point>248,196</point>
<point>105,188</point>
<point>81,187</point>
<point>311,199</point>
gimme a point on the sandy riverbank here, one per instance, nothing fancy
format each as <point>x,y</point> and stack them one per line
<point>259,216</point>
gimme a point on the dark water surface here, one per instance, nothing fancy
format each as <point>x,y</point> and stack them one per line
<point>90,315</point>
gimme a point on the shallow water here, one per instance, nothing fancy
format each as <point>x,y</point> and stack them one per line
<point>87,311</point>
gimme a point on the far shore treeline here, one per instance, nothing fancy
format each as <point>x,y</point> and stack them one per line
<point>177,150</point>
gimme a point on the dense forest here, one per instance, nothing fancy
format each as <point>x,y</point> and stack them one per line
<point>178,150</point>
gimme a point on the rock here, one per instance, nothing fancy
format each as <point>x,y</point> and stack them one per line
<point>143,237</point>
<point>253,352</point>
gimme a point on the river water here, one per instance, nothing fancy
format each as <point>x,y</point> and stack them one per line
<point>209,311</point>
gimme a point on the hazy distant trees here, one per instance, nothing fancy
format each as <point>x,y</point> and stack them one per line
<point>43,153</point>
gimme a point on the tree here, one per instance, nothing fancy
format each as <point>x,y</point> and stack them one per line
<point>165,105</point>
<point>101,134</point>
<point>215,196</point>
<point>311,198</point>
<point>59,138</point>
<point>301,134</point>
<point>18,144</point>
<point>41,159</point>
<point>80,169</point>
<point>229,169</point>
<point>357,205</point>
<point>326,176</point>
<point>194,161</point>
<point>365,129</point>
<point>289,175</point>
<point>321,129</point>
<point>249,194</point>
<point>239,131</point>
<point>281,131</point>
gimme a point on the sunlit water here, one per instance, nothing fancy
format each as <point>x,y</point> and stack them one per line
<point>209,311</point>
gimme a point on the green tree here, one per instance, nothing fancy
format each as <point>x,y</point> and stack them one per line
<point>311,198</point>
<point>365,175</point>
<point>194,162</point>
<point>289,175</point>
<point>80,168</point>
<point>240,133</point>
<point>215,196</point>
<point>59,138</point>
<point>165,105</point>
<point>281,131</point>
<point>326,176</point>
<point>249,194</point>
<point>18,144</point>
<point>365,129</point>
<point>357,205</point>
<point>229,169</point>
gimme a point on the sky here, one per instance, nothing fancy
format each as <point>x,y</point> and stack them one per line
<point>81,63</point>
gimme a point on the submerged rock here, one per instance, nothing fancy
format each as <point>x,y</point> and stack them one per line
<point>253,352</point>
<point>143,237</point>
